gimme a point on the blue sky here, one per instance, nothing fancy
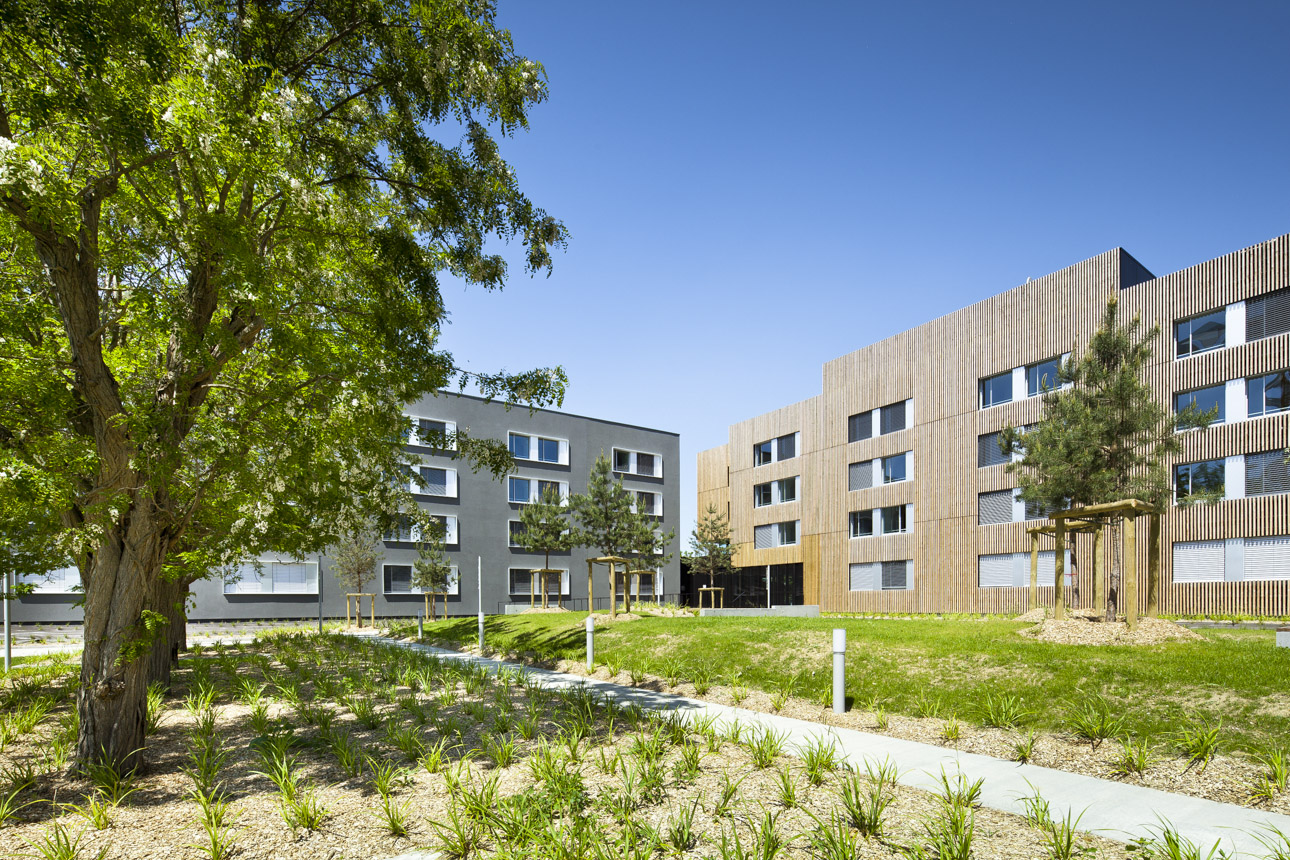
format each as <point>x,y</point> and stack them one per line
<point>755,188</point>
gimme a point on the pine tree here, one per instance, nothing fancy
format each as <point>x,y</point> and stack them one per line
<point>711,552</point>
<point>432,569</point>
<point>546,526</point>
<point>604,513</point>
<point>1104,436</point>
<point>354,558</point>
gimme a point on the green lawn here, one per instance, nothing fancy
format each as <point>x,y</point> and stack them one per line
<point>1239,677</point>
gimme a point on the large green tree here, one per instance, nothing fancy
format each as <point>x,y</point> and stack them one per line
<point>546,526</point>
<point>224,226</point>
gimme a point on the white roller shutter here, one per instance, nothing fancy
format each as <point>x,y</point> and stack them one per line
<point>1198,561</point>
<point>1048,568</point>
<point>994,508</point>
<point>764,536</point>
<point>863,576</point>
<point>994,571</point>
<point>1265,558</point>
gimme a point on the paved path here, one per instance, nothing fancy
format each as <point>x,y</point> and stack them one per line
<point>1110,809</point>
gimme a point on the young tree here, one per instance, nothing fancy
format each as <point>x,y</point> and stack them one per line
<point>1104,435</point>
<point>354,558</point>
<point>604,515</point>
<point>711,553</point>
<point>650,545</point>
<point>224,225</point>
<point>432,571</point>
<point>547,527</point>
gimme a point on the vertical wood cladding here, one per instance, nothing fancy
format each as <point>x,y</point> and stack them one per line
<point>938,365</point>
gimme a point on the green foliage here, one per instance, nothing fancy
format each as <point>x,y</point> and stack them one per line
<point>607,521</point>
<point>547,527</point>
<point>432,568</point>
<point>1104,436</point>
<point>225,227</point>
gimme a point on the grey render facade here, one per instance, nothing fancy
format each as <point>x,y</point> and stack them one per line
<point>550,447</point>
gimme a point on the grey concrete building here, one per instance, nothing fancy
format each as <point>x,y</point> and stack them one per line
<point>479,511</point>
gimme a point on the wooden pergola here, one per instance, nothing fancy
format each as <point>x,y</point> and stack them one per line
<point>1095,518</point>
<point>545,574</point>
<point>429,602</point>
<point>639,575</point>
<point>612,561</point>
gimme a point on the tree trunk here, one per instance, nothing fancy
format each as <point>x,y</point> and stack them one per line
<point>112,700</point>
<point>169,597</point>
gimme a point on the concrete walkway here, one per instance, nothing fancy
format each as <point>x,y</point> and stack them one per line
<point>1109,809</point>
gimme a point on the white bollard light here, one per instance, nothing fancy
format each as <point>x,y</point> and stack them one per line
<point>591,647</point>
<point>839,670</point>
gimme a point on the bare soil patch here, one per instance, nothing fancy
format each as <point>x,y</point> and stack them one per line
<point>1085,627</point>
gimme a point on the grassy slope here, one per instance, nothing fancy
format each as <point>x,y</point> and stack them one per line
<point>1238,677</point>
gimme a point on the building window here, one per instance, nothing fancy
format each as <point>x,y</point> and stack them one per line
<point>274,577</point>
<point>431,433</point>
<point>1037,511</point>
<point>788,533</point>
<point>895,520</point>
<point>1042,377</point>
<point>897,575</point>
<point>515,530</point>
<point>1267,473</point>
<point>1012,570</point>
<point>787,488</point>
<point>519,446</point>
<point>772,451</point>
<point>548,450</point>
<point>895,469</point>
<point>861,524</point>
<point>522,579</point>
<point>993,508</point>
<point>649,503</point>
<point>994,390</point>
<point>988,451</point>
<point>1206,401</point>
<point>638,463</point>
<point>860,427</point>
<point>1201,334</point>
<point>64,580</point>
<point>775,534</point>
<point>1198,479</point>
<point>775,492</point>
<point>860,476</point>
<point>1267,316</point>
<point>398,579</point>
<point>437,482</point>
<point>893,418</point>
<point>520,489</point>
<point>1268,395</point>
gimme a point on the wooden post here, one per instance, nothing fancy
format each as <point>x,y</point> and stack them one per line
<point>591,606</point>
<point>1059,570</point>
<point>532,586</point>
<point>627,589</point>
<point>1099,568</point>
<point>1034,570</point>
<point>372,598</point>
<point>613,590</point>
<point>347,621</point>
<point>1131,570</point>
<point>1153,566</point>
<point>543,575</point>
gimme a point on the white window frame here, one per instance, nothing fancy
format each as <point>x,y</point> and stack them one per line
<point>658,501</point>
<point>632,466</point>
<point>509,536</point>
<point>562,458</point>
<point>774,448</point>
<point>980,389</point>
<point>414,438</point>
<point>909,468</point>
<point>908,513</point>
<point>454,581</point>
<point>535,493</point>
<point>776,491</point>
<point>1226,312</point>
<point>256,571</point>
<point>415,487</point>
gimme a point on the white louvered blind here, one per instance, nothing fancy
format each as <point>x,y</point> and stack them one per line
<point>1266,558</point>
<point>994,507</point>
<point>1198,561</point>
<point>764,536</point>
<point>863,576</point>
<point>860,476</point>
<point>1267,473</point>
<point>994,571</point>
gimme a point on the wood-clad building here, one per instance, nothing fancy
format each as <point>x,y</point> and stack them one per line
<point>889,492</point>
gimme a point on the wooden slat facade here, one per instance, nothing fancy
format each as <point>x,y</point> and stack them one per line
<point>938,365</point>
